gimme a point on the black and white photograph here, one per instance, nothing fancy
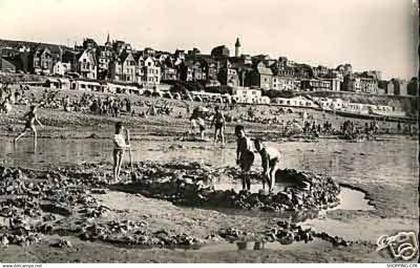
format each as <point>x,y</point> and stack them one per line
<point>209,131</point>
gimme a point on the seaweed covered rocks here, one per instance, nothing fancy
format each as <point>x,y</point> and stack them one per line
<point>193,184</point>
<point>136,234</point>
<point>31,201</point>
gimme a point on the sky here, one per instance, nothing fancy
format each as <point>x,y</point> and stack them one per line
<point>369,34</point>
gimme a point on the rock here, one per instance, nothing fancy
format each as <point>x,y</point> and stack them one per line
<point>62,243</point>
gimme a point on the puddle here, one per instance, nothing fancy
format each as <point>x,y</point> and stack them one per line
<point>254,245</point>
<point>351,199</point>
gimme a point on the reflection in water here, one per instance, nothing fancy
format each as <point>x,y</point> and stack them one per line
<point>369,160</point>
<point>395,158</point>
<point>257,245</point>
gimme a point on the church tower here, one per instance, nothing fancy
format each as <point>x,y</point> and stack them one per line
<point>108,41</point>
<point>237,48</point>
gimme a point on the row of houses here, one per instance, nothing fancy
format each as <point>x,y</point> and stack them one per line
<point>117,61</point>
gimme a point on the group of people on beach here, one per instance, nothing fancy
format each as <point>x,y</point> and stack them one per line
<point>245,153</point>
<point>197,120</point>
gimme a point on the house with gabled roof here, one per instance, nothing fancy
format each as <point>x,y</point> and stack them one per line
<point>87,64</point>
<point>151,72</point>
<point>42,61</point>
<point>128,66</point>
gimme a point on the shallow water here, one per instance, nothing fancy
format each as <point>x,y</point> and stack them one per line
<point>372,160</point>
<point>256,245</point>
<point>351,199</point>
<point>391,161</point>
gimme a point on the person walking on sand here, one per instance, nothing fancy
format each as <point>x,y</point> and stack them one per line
<point>244,156</point>
<point>31,119</point>
<point>219,125</point>
<point>270,158</point>
<point>119,146</point>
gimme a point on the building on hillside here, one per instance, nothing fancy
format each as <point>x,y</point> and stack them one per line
<point>400,87</point>
<point>193,70</point>
<point>42,61</point>
<point>61,68</point>
<point>151,72</point>
<point>351,83</point>
<point>284,83</point>
<point>368,85</point>
<point>228,75</point>
<point>336,80</point>
<point>261,76</point>
<point>105,56</point>
<point>185,71</point>
<point>86,64</point>
<point>69,58</point>
<point>335,84</point>
<point>315,85</point>
<point>168,71</point>
<point>303,71</point>
<point>123,68</point>
<point>199,71</point>
<point>211,67</point>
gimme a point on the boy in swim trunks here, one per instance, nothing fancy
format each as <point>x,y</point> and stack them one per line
<point>244,156</point>
<point>119,146</point>
<point>31,119</point>
<point>219,125</point>
<point>270,158</point>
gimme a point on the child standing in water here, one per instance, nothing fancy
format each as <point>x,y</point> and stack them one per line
<point>31,119</point>
<point>119,146</point>
<point>270,159</point>
<point>244,156</point>
<point>219,124</point>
